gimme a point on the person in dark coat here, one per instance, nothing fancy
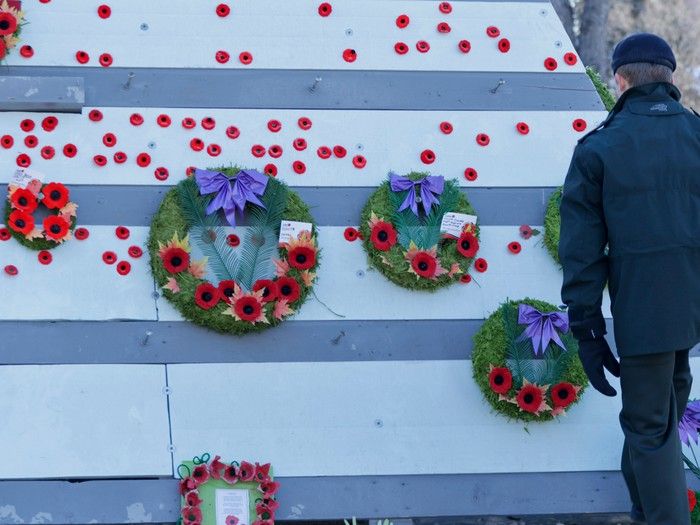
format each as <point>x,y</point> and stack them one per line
<point>630,218</point>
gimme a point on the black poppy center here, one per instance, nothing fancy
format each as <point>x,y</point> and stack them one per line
<point>286,289</point>
<point>528,398</point>
<point>55,195</point>
<point>207,296</point>
<point>382,236</point>
<point>176,261</point>
<point>228,291</point>
<point>22,201</point>
<point>248,309</point>
<point>466,244</point>
<point>499,380</point>
<point>563,393</point>
<point>301,258</point>
<point>55,228</point>
<point>4,24</point>
<point>20,223</point>
<point>423,266</point>
<point>266,291</point>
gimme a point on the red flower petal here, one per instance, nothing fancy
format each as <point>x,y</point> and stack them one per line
<point>122,232</point>
<point>288,289</point>
<point>446,128</point>
<point>214,150</point>
<point>232,132</point>
<point>514,247</point>
<point>105,60</point>
<point>104,11</point>
<point>482,139</point>
<point>324,152</point>
<point>500,380</point>
<point>304,123</point>
<point>245,58</point>
<point>7,141</point>
<point>26,51</point>
<point>299,167</point>
<point>359,161</point>
<point>175,260</point>
<point>383,236</point>
<point>563,394</point>
<point>270,292</point>
<point>467,245</point>
<point>424,264</point>
<point>56,195</point>
<point>227,289</point>
<point>401,48</point>
<point>550,64</point>
<point>143,159</point>
<point>302,258</point>
<point>481,265</point>
<point>206,296</point>
<point>422,46</point>
<point>208,123</point>
<point>81,233</point>
<point>529,398</point>
<point>270,169</point>
<point>11,269</point>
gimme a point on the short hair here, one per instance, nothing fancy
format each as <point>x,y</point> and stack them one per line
<point>639,73</point>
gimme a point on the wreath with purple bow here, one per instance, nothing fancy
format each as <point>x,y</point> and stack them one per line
<point>405,237</point>
<point>217,254</point>
<point>525,360</point>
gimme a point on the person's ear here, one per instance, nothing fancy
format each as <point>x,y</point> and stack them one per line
<point>622,84</point>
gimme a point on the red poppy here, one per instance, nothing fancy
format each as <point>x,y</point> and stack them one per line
<point>5,234</point>
<point>288,289</point>
<point>351,234</point>
<point>424,264</point>
<point>468,244</point>
<point>222,56</point>
<point>136,119</point>
<point>81,233</point>
<point>206,296</point>
<point>504,45</point>
<point>23,160</point>
<point>529,398</point>
<point>135,251</point>
<point>248,308</point>
<point>500,380</point>
<point>464,46</point>
<point>8,23</point>
<point>109,139</point>
<point>481,265</point>
<point>349,55</point>
<point>24,200</point>
<point>514,247</point>
<point>304,123</point>
<point>197,144</point>
<point>275,151</point>
<point>270,169</point>
<point>299,167</point>
<point>359,161</point>
<point>233,240</point>
<point>262,472</point>
<point>99,160</point>
<point>21,222</point>
<point>49,123</point>
<point>186,485</point>
<point>422,46</point>
<point>143,159</point>
<point>175,260</point>
<point>692,500</point>
<point>299,144</point>
<point>31,141</point>
<point>264,512</point>
<point>245,58</point>
<point>580,125</point>
<point>47,152</point>
<point>26,51</point>
<point>7,141</point>
<point>191,515</point>
<point>465,279</point>
<point>401,48</point>
<point>120,157</point>
<point>216,467</point>
<point>274,125</point>
<point>383,236</point>
<point>105,60</point>
<point>246,472</point>
<point>192,499</point>
<point>163,120</point>
<point>550,64</point>
<point>11,269</point>
<point>522,128</point>
<point>122,232</point>
<point>339,151</point>
<point>189,171</point>
<point>161,173</point>
<point>70,150</point>
<point>443,27</point>
<point>427,156</point>
<point>269,487</point>
<point>214,150</point>
<point>324,152</point>
<point>188,123</point>
<point>26,125</point>
<point>123,268</point>
<point>82,57</point>
<point>402,21</point>
<point>109,257</point>
<point>232,132</point>
<point>230,474</point>
<point>56,227</point>
<point>482,139</point>
<point>526,231</point>
<point>445,7</point>
<point>258,150</point>
<point>45,257</point>
<point>470,174</point>
<point>231,520</point>
<point>570,58</point>
<point>302,257</point>
<point>200,474</point>
<point>104,11</point>
<point>325,9</point>
<point>95,115</point>
<point>227,288</point>
<point>446,128</point>
<point>563,394</point>
<point>223,10</point>
<point>493,31</point>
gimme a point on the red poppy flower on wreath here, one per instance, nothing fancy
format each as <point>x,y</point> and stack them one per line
<point>200,474</point>
<point>530,398</point>
<point>383,234</point>
<point>175,254</point>
<point>424,263</point>
<point>467,244</point>
<point>21,222</point>
<point>500,380</point>
<point>191,515</point>
<point>301,252</point>
<point>24,200</point>
<point>216,466</point>
<point>206,296</point>
<point>230,474</point>
<point>350,234</point>
<point>269,289</point>
<point>563,394</point>
<point>246,471</point>
<point>192,499</point>
<point>247,306</point>
<point>8,23</point>
<point>55,195</point>
<point>288,289</point>
<point>56,228</point>
<point>227,288</point>
<point>692,500</point>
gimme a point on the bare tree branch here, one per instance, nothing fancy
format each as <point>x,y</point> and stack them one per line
<point>593,46</point>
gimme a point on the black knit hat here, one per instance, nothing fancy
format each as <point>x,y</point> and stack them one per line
<point>643,47</point>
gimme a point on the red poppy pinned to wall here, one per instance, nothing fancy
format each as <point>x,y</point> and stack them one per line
<point>222,56</point>
<point>143,159</point>
<point>48,152</point>
<point>122,232</point>
<point>571,59</point>
<point>324,152</point>
<point>109,139</point>
<point>11,270</point>
<point>580,125</point>
<point>49,123</point>
<point>258,150</point>
<point>402,21</point>
<point>99,160</point>
<point>270,170</point>
<point>245,58</point>
<point>470,174</point>
<point>223,10</point>
<point>106,60</point>
<point>482,139</point>
<point>445,7</point>
<point>31,141</point>
<point>299,144</point>
<point>275,151</point>
<point>214,150</point>
<point>82,57</point>
<point>550,64</point>
<point>493,31</point>
<point>481,265</point>
<point>304,123</point>
<point>188,123</point>
<point>464,46</point>
<point>465,279</point>
<point>504,45</point>
<point>6,141</point>
<point>119,157</point>
<point>299,167</point>
<point>422,46</point>
<point>163,120</point>
<point>443,27</point>
<point>325,9</point>
<point>161,173</point>
<point>23,160</point>
<point>26,51</point>
<point>104,11</point>
<point>359,161</point>
<point>5,234</point>
<point>136,119</point>
<point>95,115</point>
<point>196,144</point>
<point>446,127</point>
<point>123,267</point>
<point>349,55</point>
<point>45,257</point>
<point>82,233</point>
<point>401,48</point>
<point>26,125</point>
<point>351,234</point>
<point>339,151</point>
<point>522,128</point>
<point>514,247</point>
<point>274,125</point>
<point>208,123</point>
<point>233,132</point>
<point>427,156</point>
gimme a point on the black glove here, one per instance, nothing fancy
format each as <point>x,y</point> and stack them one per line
<point>596,354</point>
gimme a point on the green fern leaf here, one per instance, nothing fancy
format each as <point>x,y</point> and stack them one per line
<point>255,261</point>
<point>212,243</point>
<point>194,205</point>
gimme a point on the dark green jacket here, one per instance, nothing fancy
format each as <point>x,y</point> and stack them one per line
<point>634,186</point>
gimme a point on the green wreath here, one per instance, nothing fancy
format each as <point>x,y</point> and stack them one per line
<point>518,380</point>
<point>552,224</point>
<point>407,245</point>
<point>241,284</point>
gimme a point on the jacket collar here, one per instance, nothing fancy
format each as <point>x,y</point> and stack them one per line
<point>654,91</point>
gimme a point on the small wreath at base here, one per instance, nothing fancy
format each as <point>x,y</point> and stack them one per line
<point>552,224</point>
<point>401,227</point>
<point>242,283</point>
<point>23,202</point>
<point>526,362</point>
<point>11,22</point>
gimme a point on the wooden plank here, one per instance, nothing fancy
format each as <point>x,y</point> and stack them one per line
<point>540,158</point>
<point>78,421</point>
<point>283,34</point>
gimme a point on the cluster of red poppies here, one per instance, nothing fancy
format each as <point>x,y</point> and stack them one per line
<point>110,257</point>
<point>231,474</point>
<point>10,20</point>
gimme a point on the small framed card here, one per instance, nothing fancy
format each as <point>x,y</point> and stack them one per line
<point>23,176</point>
<point>453,223</point>
<point>291,229</point>
<point>218,493</point>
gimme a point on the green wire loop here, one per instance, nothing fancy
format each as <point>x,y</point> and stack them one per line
<point>189,472</point>
<point>201,460</point>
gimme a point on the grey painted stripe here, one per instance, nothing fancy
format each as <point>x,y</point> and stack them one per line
<point>153,342</point>
<point>313,498</point>
<point>277,89</point>
<point>135,205</point>
<point>35,93</point>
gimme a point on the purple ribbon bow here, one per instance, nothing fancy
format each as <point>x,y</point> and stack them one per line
<point>231,194</point>
<point>542,328</point>
<point>430,188</point>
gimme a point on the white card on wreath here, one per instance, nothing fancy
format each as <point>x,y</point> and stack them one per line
<point>291,229</point>
<point>232,502</point>
<point>22,177</point>
<point>453,223</point>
